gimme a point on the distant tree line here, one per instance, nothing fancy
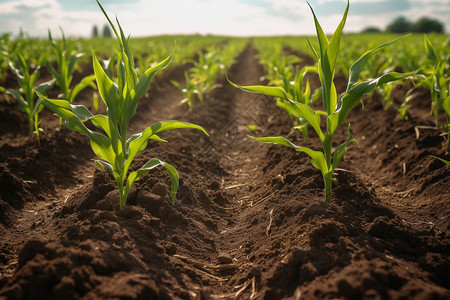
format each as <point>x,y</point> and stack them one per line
<point>403,25</point>
<point>106,32</point>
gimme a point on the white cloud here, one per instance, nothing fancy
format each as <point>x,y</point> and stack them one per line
<point>36,17</point>
<point>233,17</point>
<point>215,16</point>
<point>18,6</point>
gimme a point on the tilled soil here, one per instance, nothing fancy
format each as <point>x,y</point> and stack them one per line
<point>249,220</point>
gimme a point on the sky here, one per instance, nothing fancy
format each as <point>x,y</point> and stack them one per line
<point>221,17</point>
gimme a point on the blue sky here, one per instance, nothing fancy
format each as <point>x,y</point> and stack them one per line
<point>231,17</point>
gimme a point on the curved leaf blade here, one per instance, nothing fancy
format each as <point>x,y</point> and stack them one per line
<point>261,89</point>
<point>317,157</point>
<point>138,142</point>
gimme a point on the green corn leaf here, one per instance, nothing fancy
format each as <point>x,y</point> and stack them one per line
<point>301,110</point>
<point>327,62</point>
<point>127,57</point>
<point>52,71</point>
<point>102,147</point>
<point>141,88</point>
<point>446,106</point>
<point>84,83</point>
<point>45,86</point>
<point>317,157</point>
<point>333,99</point>
<point>333,46</point>
<point>139,141</point>
<point>307,93</point>
<point>441,159</point>
<point>128,60</point>
<point>138,135</point>
<point>63,109</point>
<point>174,180</point>
<point>146,78</point>
<point>152,163</point>
<point>23,104</point>
<point>107,90</point>
<point>297,109</point>
<point>261,89</point>
<point>176,84</point>
<point>104,123</point>
<point>342,149</point>
<point>104,166</point>
<point>353,96</point>
<point>71,64</point>
<point>284,105</point>
<point>110,23</point>
<point>80,111</point>
<point>359,64</point>
<point>430,49</point>
<point>73,115</point>
<point>108,127</point>
<point>23,66</point>
<point>323,40</point>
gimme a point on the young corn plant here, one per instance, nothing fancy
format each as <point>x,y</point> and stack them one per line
<point>297,91</point>
<point>26,79</point>
<point>4,46</point>
<point>281,72</point>
<point>190,91</point>
<point>205,70</point>
<point>335,109</point>
<point>115,151</point>
<point>439,84</point>
<point>447,162</point>
<point>201,77</point>
<point>66,61</point>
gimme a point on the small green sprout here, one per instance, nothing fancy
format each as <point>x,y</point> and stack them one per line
<point>26,79</point>
<point>66,61</point>
<point>441,159</point>
<point>253,127</point>
<point>439,84</point>
<point>190,92</point>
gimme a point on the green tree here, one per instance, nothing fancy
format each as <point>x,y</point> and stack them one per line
<point>427,25</point>
<point>371,30</point>
<point>95,31</point>
<point>399,25</point>
<point>106,32</point>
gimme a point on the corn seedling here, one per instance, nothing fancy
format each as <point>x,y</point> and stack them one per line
<point>66,61</point>
<point>402,110</point>
<point>283,73</point>
<point>335,109</point>
<point>202,77</point>
<point>26,79</point>
<point>297,91</point>
<point>205,70</point>
<point>439,84</point>
<point>115,152</point>
<point>190,91</point>
<point>447,162</point>
<point>4,46</point>
<point>279,67</point>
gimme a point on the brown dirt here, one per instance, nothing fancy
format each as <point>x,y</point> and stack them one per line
<point>249,221</point>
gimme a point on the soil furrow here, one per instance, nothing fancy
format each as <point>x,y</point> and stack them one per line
<point>249,220</point>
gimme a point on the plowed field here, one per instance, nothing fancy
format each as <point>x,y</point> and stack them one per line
<point>249,220</point>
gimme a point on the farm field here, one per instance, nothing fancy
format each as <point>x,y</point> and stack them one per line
<point>249,220</point>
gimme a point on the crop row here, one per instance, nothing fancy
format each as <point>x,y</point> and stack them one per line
<point>124,78</point>
<point>427,57</point>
